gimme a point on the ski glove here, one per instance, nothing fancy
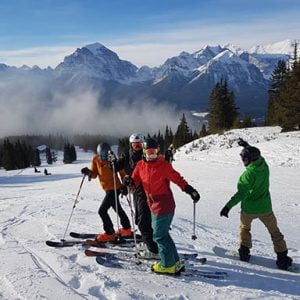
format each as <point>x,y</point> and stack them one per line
<point>128,181</point>
<point>86,171</point>
<point>224,212</point>
<point>243,143</point>
<point>192,192</point>
<point>123,191</point>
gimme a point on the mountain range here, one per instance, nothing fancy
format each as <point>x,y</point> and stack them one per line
<point>185,80</point>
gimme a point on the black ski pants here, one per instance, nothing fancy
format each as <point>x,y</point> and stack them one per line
<point>143,218</point>
<point>108,202</point>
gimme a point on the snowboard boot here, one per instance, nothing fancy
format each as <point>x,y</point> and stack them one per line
<point>244,253</point>
<point>283,261</point>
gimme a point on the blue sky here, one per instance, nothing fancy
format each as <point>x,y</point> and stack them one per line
<point>42,32</point>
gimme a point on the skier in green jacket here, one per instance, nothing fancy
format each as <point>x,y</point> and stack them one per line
<point>254,195</point>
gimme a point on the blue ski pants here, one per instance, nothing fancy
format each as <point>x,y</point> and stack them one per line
<point>166,247</point>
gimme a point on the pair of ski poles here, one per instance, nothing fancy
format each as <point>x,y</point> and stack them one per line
<point>194,237</point>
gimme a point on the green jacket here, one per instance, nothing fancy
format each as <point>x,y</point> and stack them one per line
<point>253,189</point>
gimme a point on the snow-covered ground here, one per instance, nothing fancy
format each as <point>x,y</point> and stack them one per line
<point>35,208</point>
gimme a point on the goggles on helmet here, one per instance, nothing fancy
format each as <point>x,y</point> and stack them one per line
<point>151,153</point>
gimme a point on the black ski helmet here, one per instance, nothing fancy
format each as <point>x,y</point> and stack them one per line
<point>102,150</point>
<point>150,143</point>
<point>250,154</point>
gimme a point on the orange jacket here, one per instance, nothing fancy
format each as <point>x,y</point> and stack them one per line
<point>102,169</point>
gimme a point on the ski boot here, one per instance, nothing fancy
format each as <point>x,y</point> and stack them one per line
<point>147,254</point>
<point>125,232</point>
<point>104,237</point>
<point>159,269</point>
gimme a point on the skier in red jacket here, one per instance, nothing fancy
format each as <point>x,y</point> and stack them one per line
<point>155,173</point>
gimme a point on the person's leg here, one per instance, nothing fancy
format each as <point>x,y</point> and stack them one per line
<point>124,220</point>
<point>166,247</point>
<point>245,236</point>
<point>283,261</point>
<point>143,221</point>
<point>269,220</point>
<point>103,212</point>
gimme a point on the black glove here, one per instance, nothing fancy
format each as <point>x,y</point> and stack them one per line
<point>243,143</point>
<point>224,212</point>
<point>111,157</point>
<point>123,190</point>
<point>86,171</point>
<point>128,181</point>
<point>192,192</point>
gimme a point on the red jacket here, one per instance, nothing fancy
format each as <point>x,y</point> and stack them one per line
<point>155,177</point>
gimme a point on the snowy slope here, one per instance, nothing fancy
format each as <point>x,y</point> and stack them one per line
<point>35,208</point>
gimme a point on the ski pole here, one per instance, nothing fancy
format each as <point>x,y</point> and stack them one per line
<point>194,237</point>
<point>75,202</point>
<point>138,262</point>
<point>111,159</point>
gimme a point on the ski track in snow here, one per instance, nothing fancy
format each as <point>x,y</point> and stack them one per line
<point>35,208</point>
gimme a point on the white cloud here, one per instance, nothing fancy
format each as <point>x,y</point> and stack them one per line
<point>41,56</point>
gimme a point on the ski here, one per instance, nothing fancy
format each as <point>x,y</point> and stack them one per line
<point>185,256</point>
<point>64,243</point>
<point>124,248</point>
<point>94,235</point>
<point>77,235</point>
<point>112,261</point>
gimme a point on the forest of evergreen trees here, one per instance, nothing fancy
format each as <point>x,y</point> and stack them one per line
<point>284,95</point>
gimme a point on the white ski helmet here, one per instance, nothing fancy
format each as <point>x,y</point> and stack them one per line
<point>136,138</point>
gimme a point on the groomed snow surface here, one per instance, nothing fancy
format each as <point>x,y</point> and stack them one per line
<point>35,208</point>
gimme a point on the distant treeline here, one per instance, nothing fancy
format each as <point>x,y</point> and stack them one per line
<point>58,141</point>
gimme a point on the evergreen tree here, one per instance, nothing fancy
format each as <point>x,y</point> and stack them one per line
<point>36,158</point>
<point>123,145</point>
<point>73,153</point>
<point>183,134</point>
<point>222,109</point>
<point>49,156</point>
<point>195,135</point>
<point>8,159</point>
<point>67,154</point>
<point>54,156</point>
<point>279,78</point>
<point>288,99</point>
<point>203,131</point>
<point>247,121</point>
<point>168,137</point>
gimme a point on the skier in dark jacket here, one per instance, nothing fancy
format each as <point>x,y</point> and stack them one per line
<point>127,161</point>
<point>253,193</point>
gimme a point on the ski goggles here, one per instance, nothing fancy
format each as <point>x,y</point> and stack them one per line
<point>137,145</point>
<point>151,153</point>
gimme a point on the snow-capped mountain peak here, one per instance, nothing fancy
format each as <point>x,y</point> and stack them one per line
<point>95,47</point>
<point>282,47</point>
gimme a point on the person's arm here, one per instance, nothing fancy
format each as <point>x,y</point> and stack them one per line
<point>174,176</point>
<point>136,174</point>
<point>94,170</point>
<point>243,190</point>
